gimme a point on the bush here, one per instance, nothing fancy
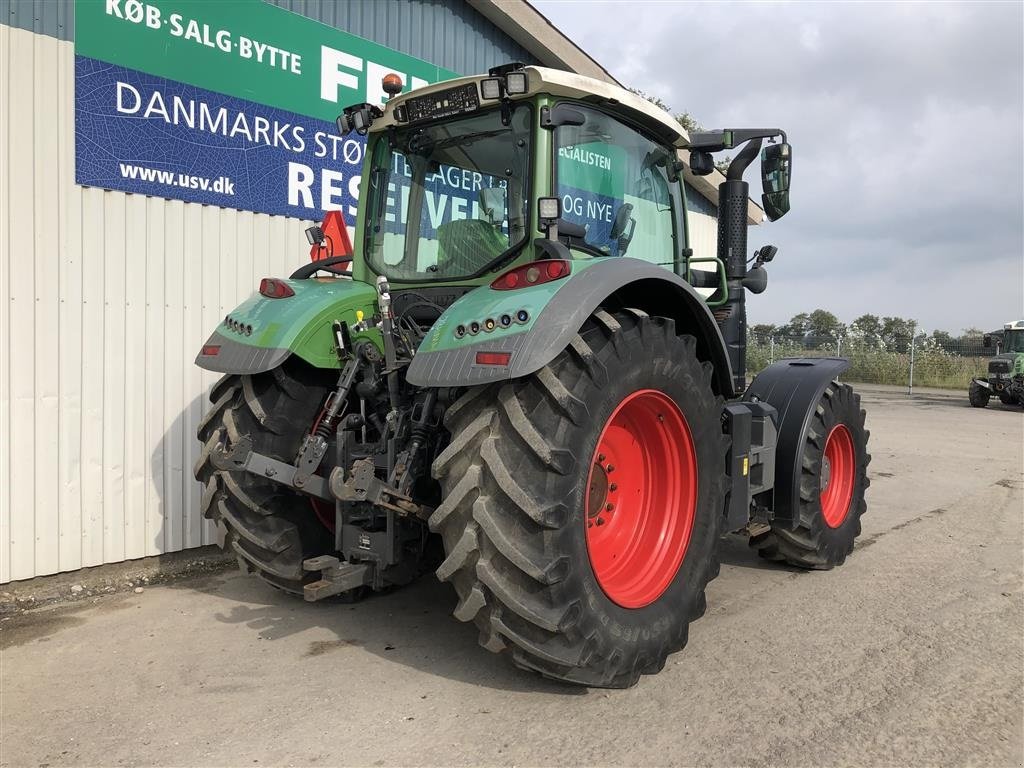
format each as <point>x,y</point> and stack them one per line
<point>873,364</point>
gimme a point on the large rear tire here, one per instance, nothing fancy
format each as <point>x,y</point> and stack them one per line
<point>268,527</point>
<point>531,465</point>
<point>833,479</point>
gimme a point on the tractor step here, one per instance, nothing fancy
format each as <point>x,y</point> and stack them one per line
<point>335,577</point>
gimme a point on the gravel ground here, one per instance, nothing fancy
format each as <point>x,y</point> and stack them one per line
<point>910,654</point>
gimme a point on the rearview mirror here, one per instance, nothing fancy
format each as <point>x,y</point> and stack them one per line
<point>492,204</point>
<point>776,167</point>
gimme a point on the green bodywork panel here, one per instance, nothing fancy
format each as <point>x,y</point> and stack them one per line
<point>1016,362</point>
<point>302,323</point>
<point>484,302</point>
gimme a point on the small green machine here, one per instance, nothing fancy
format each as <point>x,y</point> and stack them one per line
<point>1005,377</point>
<point>514,380</point>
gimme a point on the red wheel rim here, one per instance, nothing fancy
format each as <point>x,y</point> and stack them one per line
<point>641,498</point>
<point>838,470</point>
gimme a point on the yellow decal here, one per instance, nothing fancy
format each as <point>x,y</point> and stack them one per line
<point>746,465</point>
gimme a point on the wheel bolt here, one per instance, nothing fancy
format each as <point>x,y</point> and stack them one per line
<point>600,521</point>
<point>613,487</point>
<point>600,457</point>
<point>661,418</point>
<point>609,468</point>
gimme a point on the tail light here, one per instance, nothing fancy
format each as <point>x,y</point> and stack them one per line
<point>273,288</point>
<point>493,358</point>
<point>534,273</point>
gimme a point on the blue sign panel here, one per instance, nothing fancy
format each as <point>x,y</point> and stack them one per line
<point>148,135</point>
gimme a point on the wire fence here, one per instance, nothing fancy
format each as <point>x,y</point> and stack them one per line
<point>920,361</point>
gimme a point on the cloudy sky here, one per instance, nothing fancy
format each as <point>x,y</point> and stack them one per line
<point>907,128</point>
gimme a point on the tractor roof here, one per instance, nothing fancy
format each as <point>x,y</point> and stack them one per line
<point>568,84</point>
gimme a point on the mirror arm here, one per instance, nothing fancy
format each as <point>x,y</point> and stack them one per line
<point>743,160</point>
<point>716,141</point>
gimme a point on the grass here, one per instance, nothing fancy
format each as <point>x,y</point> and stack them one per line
<point>932,367</point>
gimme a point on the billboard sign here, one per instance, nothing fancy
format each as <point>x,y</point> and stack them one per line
<point>228,104</point>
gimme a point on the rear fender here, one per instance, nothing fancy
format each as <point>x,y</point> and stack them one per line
<point>793,387</point>
<point>298,325</point>
<point>554,313</point>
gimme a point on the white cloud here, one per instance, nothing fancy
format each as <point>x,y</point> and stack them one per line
<point>908,130</point>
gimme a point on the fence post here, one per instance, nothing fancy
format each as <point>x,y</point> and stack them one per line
<point>839,346</point>
<point>910,389</point>
<point>771,353</point>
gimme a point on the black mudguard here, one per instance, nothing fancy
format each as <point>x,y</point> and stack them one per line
<point>793,387</point>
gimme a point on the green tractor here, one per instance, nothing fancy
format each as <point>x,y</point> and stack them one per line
<point>1005,370</point>
<point>513,380</point>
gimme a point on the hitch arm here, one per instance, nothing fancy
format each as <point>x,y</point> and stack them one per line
<point>242,458</point>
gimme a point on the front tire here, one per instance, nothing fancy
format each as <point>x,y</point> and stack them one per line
<point>833,479</point>
<point>518,483</point>
<point>978,395</point>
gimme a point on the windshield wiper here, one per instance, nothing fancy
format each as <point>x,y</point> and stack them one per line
<point>469,138</point>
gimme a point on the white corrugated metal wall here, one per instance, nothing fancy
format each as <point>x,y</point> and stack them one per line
<point>702,226</point>
<point>107,297</point>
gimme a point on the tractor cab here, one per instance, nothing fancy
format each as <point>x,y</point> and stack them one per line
<point>466,176</point>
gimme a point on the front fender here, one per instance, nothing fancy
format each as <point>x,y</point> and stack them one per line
<point>554,313</point>
<point>794,387</point>
<point>297,325</point>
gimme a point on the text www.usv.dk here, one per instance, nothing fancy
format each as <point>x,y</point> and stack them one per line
<point>221,185</point>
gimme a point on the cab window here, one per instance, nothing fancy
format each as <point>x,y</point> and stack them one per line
<point>617,184</point>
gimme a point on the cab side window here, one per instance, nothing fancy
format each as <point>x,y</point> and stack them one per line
<point>616,184</point>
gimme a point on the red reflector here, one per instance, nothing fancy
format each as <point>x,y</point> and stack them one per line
<point>273,288</point>
<point>209,350</point>
<point>493,358</point>
<point>534,273</point>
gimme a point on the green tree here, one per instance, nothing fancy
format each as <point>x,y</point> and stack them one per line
<point>690,123</point>
<point>761,333</point>
<point>867,329</point>
<point>897,332</point>
<point>972,334</point>
<point>822,323</point>
<point>798,326</point>
<point>943,340</point>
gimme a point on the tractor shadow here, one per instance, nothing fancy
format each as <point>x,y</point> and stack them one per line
<point>734,551</point>
<point>411,626</point>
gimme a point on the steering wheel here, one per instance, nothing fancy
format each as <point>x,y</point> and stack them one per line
<point>327,265</point>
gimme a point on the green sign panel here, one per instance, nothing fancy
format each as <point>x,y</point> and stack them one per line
<point>596,167</point>
<point>246,49</point>
<point>225,102</point>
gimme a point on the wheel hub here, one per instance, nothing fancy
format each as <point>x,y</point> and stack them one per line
<point>641,498</point>
<point>597,491</point>
<point>838,475</point>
